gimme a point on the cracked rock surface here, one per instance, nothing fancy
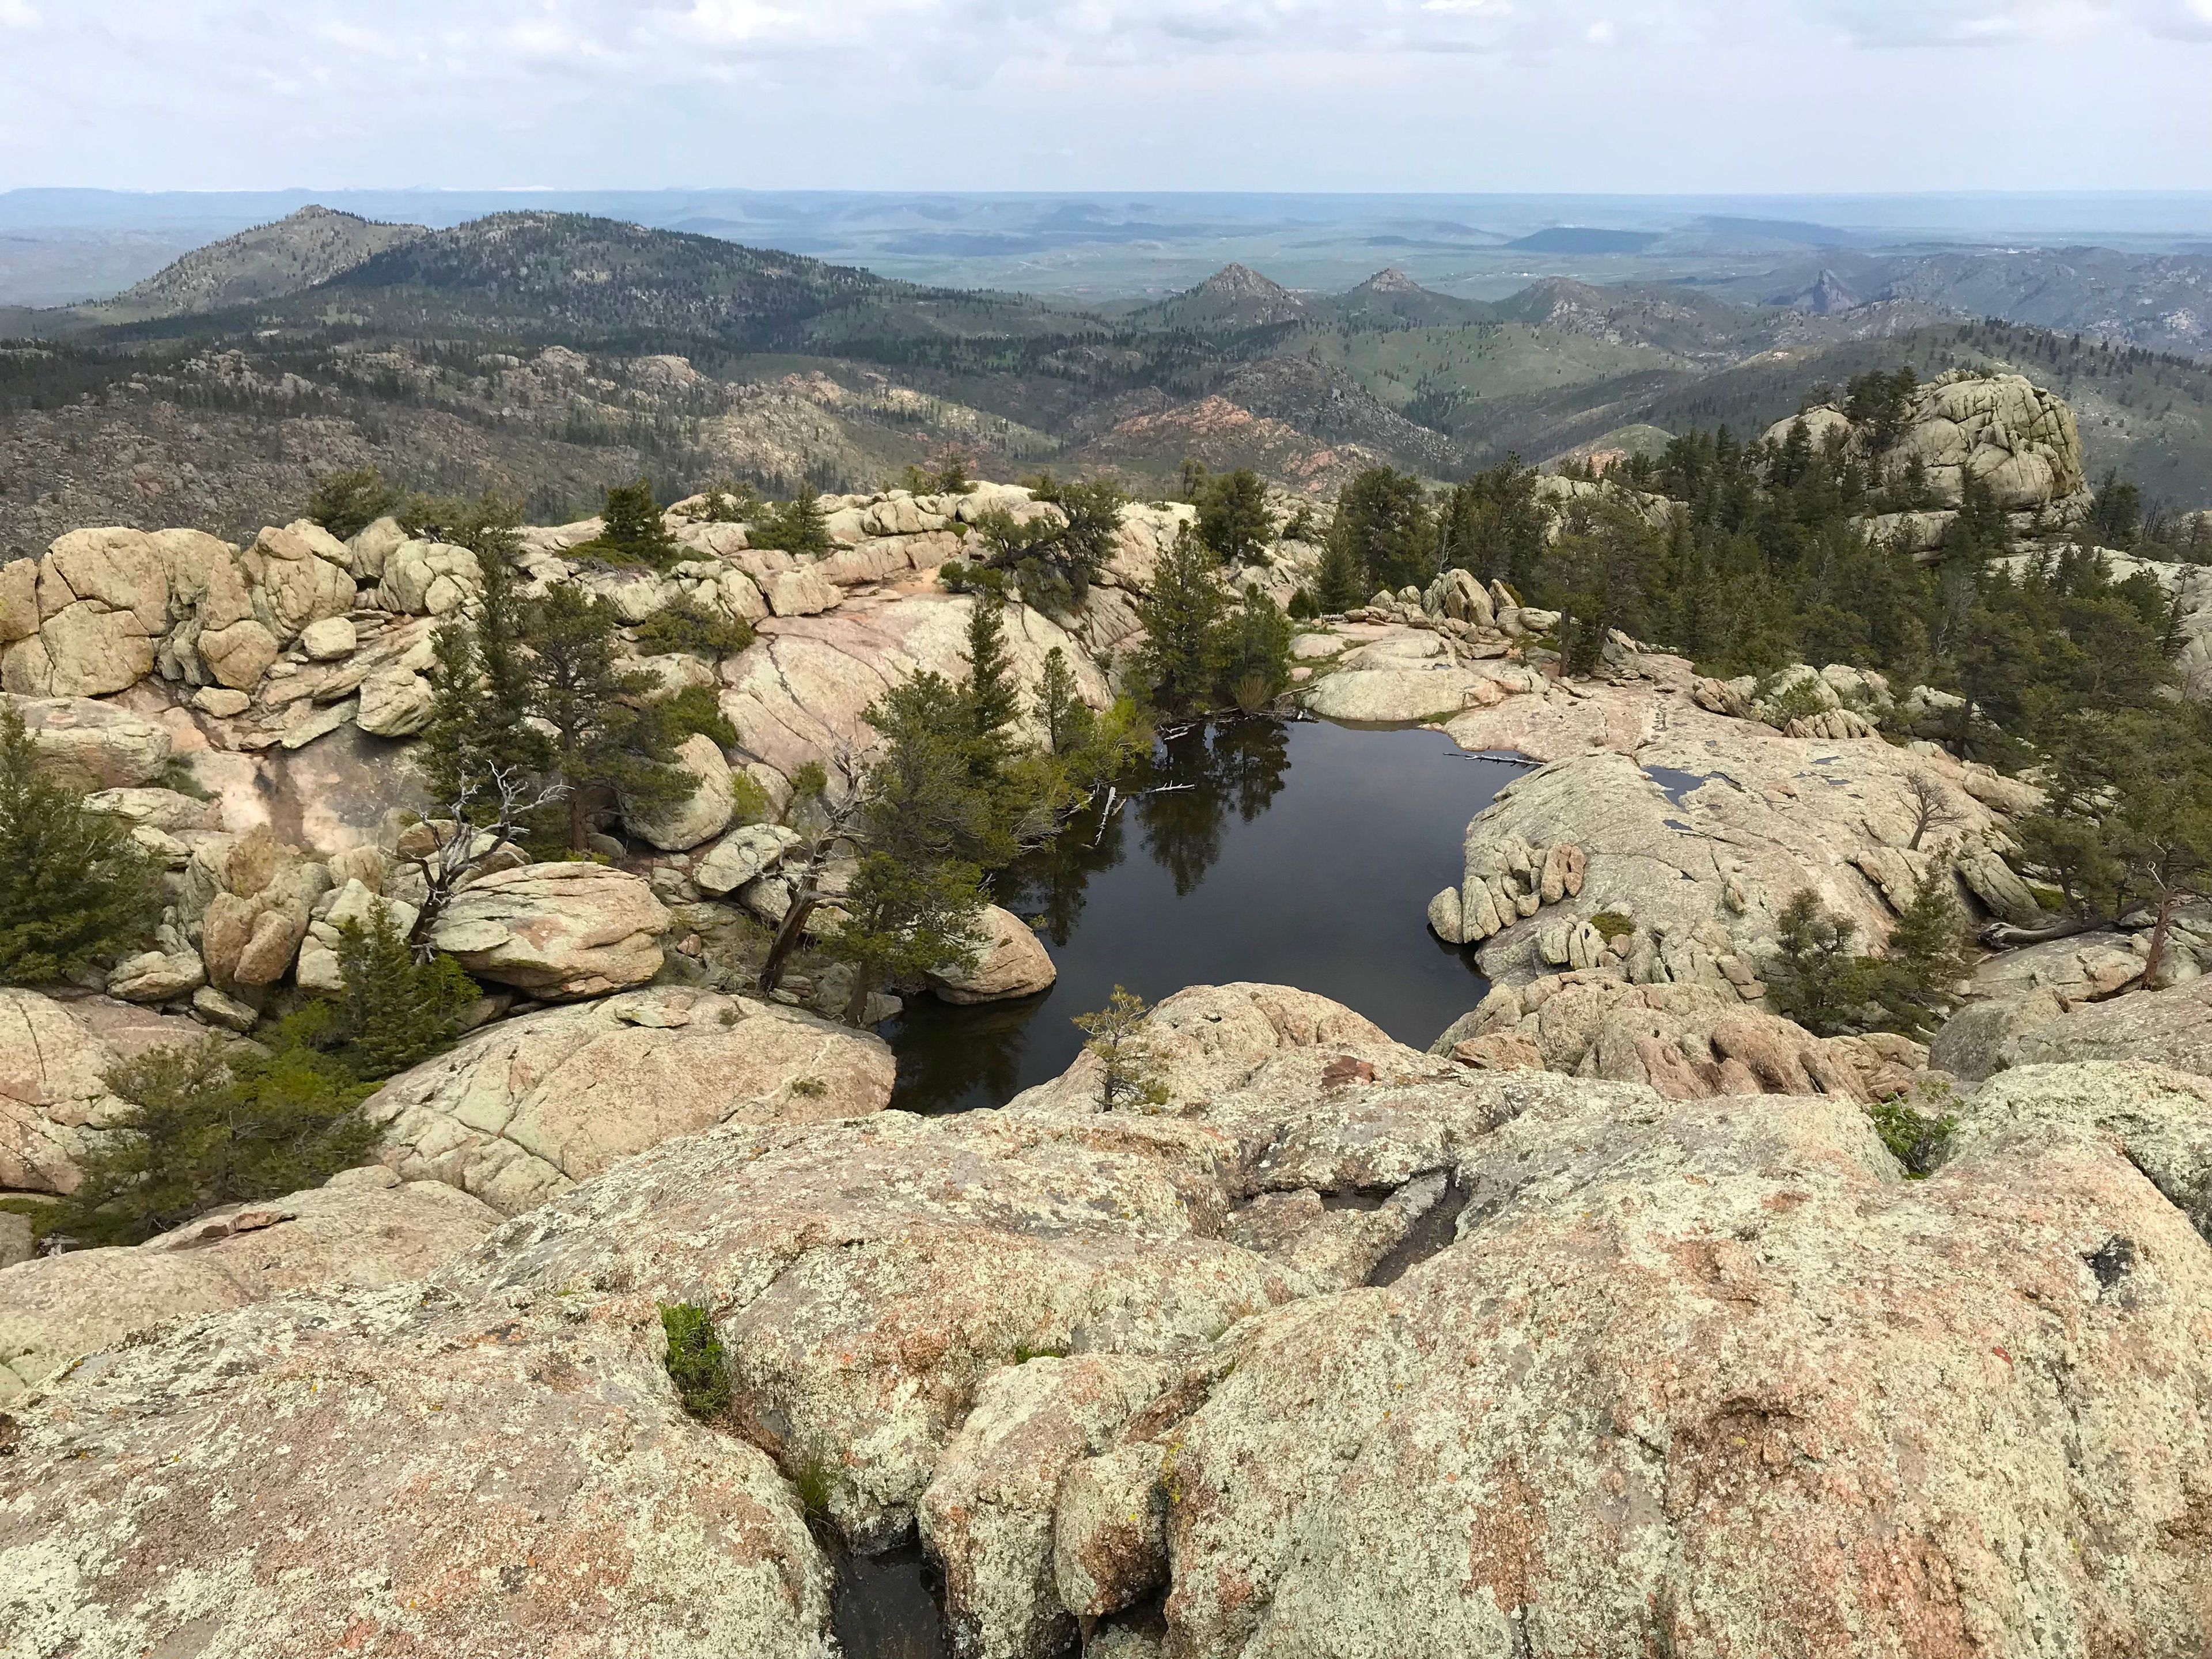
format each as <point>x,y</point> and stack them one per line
<point>1343,1350</point>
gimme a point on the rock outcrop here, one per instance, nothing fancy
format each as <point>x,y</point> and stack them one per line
<point>561,932</point>
<point>1011,961</point>
<point>521,1112</point>
<point>1637,1467</point>
<point>1339,1342</point>
<point>1405,677</point>
<point>55,1057</point>
<point>91,745</point>
<point>1695,829</point>
<point>803,692</point>
<point>394,1476</point>
<point>2016,438</point>
<point>253,924</point>
<point>2172,1027</point>
<point>363,1228</point>
<point>1685,1040</point>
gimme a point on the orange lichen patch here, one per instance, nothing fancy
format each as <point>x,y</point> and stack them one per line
<point>1505,1541</point>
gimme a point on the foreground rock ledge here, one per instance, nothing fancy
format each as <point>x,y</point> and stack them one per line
<point>379,1474</point>
<point>1349,1350</point>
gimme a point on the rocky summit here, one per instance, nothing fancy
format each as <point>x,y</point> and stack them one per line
<point>1651,1306</point>
<point>1340,1349</point>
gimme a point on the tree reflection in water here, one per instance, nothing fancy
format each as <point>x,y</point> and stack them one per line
<point>1212,870</point>
<point>1196,778</point>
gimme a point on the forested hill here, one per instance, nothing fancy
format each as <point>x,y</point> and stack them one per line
<point>569,279</point>
<point>545,354</point>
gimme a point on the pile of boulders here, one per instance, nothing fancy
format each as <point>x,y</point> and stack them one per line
<point>2014,437</point>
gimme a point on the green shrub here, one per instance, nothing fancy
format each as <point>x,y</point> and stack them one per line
<point>811,1483</point>
<point>74,887</point>
<point>1801,701</point>
<point>1611,924</point>
<point>688,625</point>
<point>393,1011</point>
<point>347,503</point>
<point>208,1125</point>
<point>1302,608</point>
<point>696,1363</point>
<point>1918,1141</point>
<point>751,803</point>
<point>729,502</point>
<point>946,475</point>
<point>695,708</point>
<point>798,527</point>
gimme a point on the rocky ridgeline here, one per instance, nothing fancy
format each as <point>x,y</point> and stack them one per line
<point>248,709</point>
<point>1343,1346</point>
<point>1624,894</point>
<point>2017,439</point>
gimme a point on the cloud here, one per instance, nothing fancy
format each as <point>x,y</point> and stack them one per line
<point>2177,20</point>
<point>1296,92</point>
<point>1966,22</point>
<point>665,42</point>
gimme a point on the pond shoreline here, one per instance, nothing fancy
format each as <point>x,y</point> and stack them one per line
<point>1299,852</point>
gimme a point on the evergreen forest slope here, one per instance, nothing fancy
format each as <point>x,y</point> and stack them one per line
<point>546,355</point>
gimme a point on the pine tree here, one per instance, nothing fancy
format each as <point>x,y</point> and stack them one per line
<point>1257,667</point>
<point>1494,525</point>
<point>480,698</point>
<point>1341,584</point>
<point>923,803</point>
<point>347,503</point>
<point>1916,980</point>
<point>1383,518</point>
<point>1067,718</point>
<point>634,532</point>
<point>1114,1038</point>
<point>905,920</point>
<point>1596,577</point>
<point>609,739</point>
<point>797,527</point>
<point>1814,977</point>
<point>1233,518</point>
<point>392,1010</point>
<point>1185,650</point>
<point>1056,558</point>
<point>992,697</point>
<point>74,887</point>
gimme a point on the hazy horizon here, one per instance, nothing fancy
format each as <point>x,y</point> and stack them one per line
<point>1722,97</point>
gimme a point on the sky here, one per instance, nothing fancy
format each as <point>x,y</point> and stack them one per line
<point>1667,96</point>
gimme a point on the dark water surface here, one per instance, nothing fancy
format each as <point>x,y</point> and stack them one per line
<point>1302,853</point>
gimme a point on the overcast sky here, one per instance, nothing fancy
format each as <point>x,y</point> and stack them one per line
<point>1610,96</point>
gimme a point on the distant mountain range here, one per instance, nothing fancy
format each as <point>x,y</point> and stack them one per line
<point>547,354</point>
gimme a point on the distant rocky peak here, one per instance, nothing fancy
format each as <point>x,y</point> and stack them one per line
<point>1234,282</point>
<point>1827,297</point>
<point>1389,280</point>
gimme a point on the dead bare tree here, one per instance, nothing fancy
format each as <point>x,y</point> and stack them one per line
<point>833,825</point>
<point>1931,808</point>
<point>450,851</point>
